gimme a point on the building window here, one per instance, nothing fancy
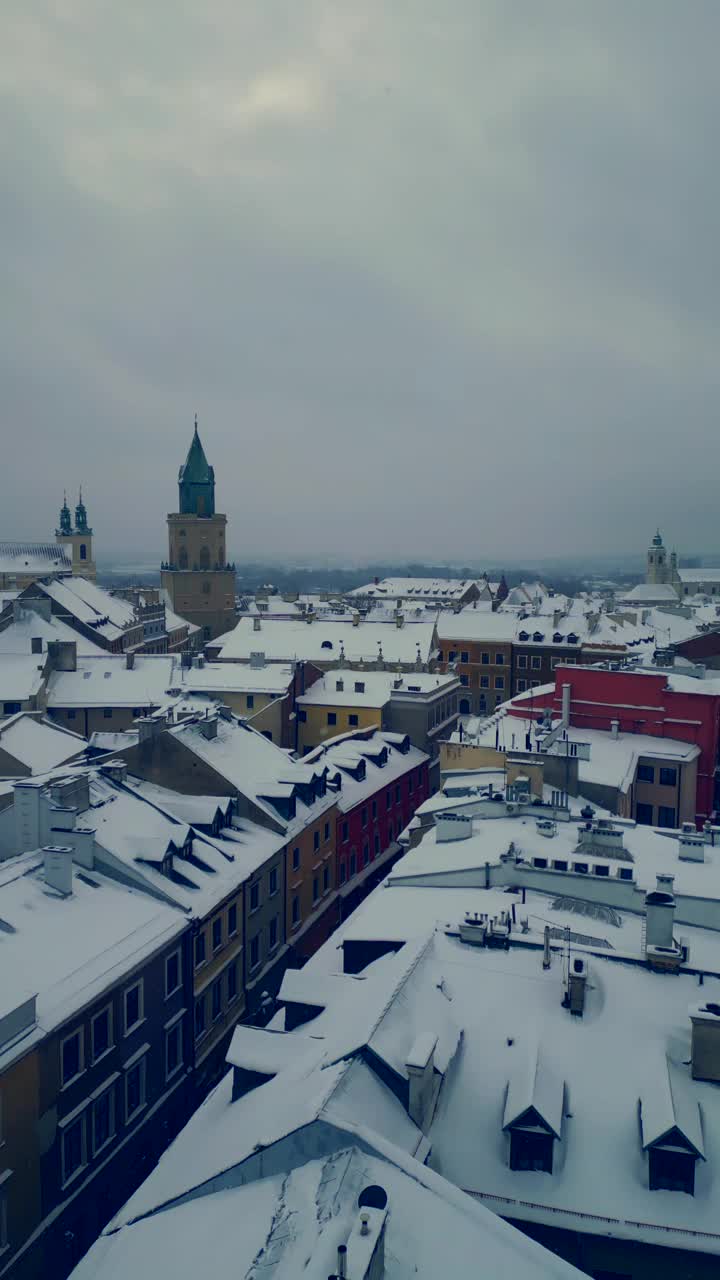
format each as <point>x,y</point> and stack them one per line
<point>255,951</point>
<point>465,681</point>
<point>302,715</point>
<point>250,701</point>
<point>232,982</point>
<point>74,1157</point>
<point>296,859</point>
<point>216,999</point>
<point>397,793</point>
<point>668,777</point>
<point>273,931</point>
<point>316,888</point>
<point>71,714</point>
<point>521,685</point>
<point>645,773</point>
<point>326,832</point>
<point>343,872</point>
<point>353,863</point>
<point>388,799</point>
<point>199,1017</point>
<point>364,816</point>
<point>71,1057</point>
<point>366,853</point>
<point>344,830</point>
<point>326,878</point>
<point>536,662</point>
<point>133,1006</point>
<point>644,814</point>
<point>332,717</point>
<point>101,1032</point>
<point>353,719</point>
<point>255,895</point>
<point>217,933</point>
<point>103,1120</point>
<point>452,655</point>
<point>499,659</point>
<point>499,682</point>
<point>377,842</point>
<point>485,659</point>
<point>11,708</point>
<point>464,656</point>
<point>200,949</point>
<point>666,816</point>
<point>83,551</point>
<point>484,682</point>
<point>373,810</point>
<point>522,660</point>
<point>232,920</point>
<point>173,1049</point>
<point>391,832</point>
<point>134,1089</point>
<point>295,909</point>
<point>272,881</point>
<point>107,713</point>
<point>316,840</point>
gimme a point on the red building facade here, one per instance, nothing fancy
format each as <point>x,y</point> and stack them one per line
<point>659,704</point>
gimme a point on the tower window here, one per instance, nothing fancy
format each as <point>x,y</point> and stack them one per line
<point>204,558</point>
<point>183,558</point>
<point>83,551</point>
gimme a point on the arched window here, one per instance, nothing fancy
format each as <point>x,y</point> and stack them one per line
<point>204,558</point>
<point>464,707</point>
<point>183,558</point>
<point>83,551</point>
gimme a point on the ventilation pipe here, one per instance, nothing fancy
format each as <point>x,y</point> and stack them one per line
<point>546,947</point>
<point>566,695</point>
<point>615,728</point>
<point>660,914</point>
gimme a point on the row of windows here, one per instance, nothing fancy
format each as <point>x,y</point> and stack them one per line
<point>666,815</point>
<point>216,932</point>
<point>254,950</point>
<point>667,776</point>
<point>349,869</point>
<point>463,656</point>
<point>76,1050</point>
<point>209,1006</point>
<point>522,685</point>
<point>90,1132</point>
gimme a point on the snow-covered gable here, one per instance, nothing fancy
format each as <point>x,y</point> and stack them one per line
<point>667,1107</point>
<point>533,1088</point>
<point>366,761</point>
<point>326,641</point>
<point>38,745</point>
<point>21,677</point>
<point>108,682</point>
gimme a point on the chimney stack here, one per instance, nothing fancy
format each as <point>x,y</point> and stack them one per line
<point>62,655</point>
<point>660,914</point>
<point>566,696</point>
<point>256,623</point>
<point>615,728</point>
<point>546,947</point>
<point>57,860</point>
<point>130,660</point>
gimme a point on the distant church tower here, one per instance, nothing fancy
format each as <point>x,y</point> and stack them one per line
<point>77,541</point>
<point>659,568</point>
<point>199,581</point>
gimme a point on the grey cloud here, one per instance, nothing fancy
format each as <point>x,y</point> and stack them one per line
<point>439,281</point>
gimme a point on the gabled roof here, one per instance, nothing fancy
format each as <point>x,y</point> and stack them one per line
<point>533,1087</point>
<point>667,1107</point>
<point>41,558</point>
<point>36,744</point>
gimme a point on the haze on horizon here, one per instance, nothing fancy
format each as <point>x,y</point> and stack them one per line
<point>439,281</point>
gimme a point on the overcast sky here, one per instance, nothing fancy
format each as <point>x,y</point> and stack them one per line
<point>439,279</point>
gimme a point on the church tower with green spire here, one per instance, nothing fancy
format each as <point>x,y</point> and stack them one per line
<point>199,582</point>
<point>77,540</point>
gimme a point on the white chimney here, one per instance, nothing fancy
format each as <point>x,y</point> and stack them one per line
<point>209,727</point>
<point>705,1051</point>
<point>691,844</point>
<point>257,626</point>
<point>452,826</point>
<point>58,867</point>
<point>420,1067</point>
<point>660,913</point>
<point>130,661</point>
<point>566,696</point>
<point>356,619</point>
<point>615,728</point>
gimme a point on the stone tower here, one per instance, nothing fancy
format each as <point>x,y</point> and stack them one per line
<point>77,540</point>
<point>199,582</point>
<point>657,563</point>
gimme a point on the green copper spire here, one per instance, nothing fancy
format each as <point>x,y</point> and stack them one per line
<point>196,481</point>
<point>81,524</point>
<point>65,522</point>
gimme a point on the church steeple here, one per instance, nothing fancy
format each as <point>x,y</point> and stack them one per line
<point>81,522</point>
<point>65,518</point>
<point>196,481</point>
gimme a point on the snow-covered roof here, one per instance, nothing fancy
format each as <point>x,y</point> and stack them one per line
<point>380,755</point>
<point>68,949</point>
<point>105,613</point>
<point>343,687</point>
<point>615,1054</point>
<point>29,624</point>
<point>420,588</point>
<point>21,676</point>
<point>699,575</point>
<point>37,744</point>
<point>38,558</point>
<point>649,592</point>
<point>592,630</point>
<point>293,1222</point>
<point>195,810</point>
<point>107,681</point>
<point>325,640</point>
<point>477,624</point>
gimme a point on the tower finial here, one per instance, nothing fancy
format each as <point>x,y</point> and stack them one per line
<point>196,422</point>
